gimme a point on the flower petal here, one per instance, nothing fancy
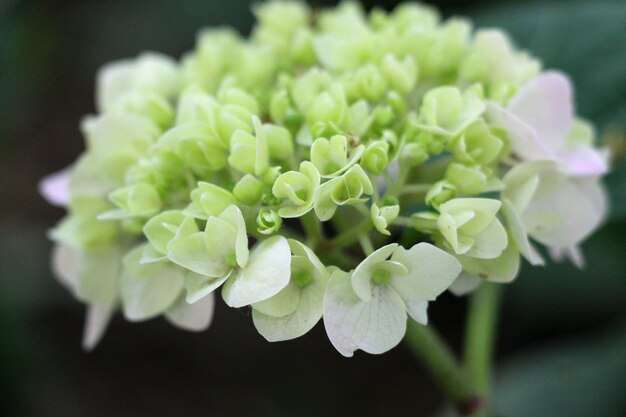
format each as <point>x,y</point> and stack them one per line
<point>96,323</point>
<point>267,272</point>
<point>55,188</point>
<point>148,290</point>
<point>192,317</point>
<point>351,323</point>
<point>430,272</point>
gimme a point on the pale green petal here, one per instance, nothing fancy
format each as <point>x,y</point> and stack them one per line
<point>504,268</point>
<point>65,262</point>
<point>282,304</point>
<point>199,286</point>
<point>351,323</point>
<point>234,217</point>
<point>490,242</point>
<point>194,317</point>
<point>148,289</point>
<point>464,284</point>
<point>303,319</point>
<point>519,235</point>
<point>362,275</point>
<point>98,272</point>
<point>267,273</point>
<point>417,310</point>
<point>430,272</point>
<point>191,253</point>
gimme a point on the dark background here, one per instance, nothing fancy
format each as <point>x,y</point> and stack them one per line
<point>562,345</point>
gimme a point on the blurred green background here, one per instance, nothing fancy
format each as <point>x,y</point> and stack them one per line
<point>562,345</point>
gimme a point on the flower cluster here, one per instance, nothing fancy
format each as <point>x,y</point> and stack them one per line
<point>284,169</point>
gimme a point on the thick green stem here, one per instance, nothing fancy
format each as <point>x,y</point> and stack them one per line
<point>479,339</point>
<point>442,364</point>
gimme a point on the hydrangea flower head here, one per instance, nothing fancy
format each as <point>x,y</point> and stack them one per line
<point>284,168</point>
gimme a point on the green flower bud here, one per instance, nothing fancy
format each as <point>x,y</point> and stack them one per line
<point>329,108</point>
<point>82,229</point>
<point>116,142</point>
<point>383,216</point>
<point>138,200</point>
<point>161,229</point>
<point>232,118</point>
<point>376,157</point>
<point>472,180</point>
<point>470,227</point>
<point>268,221</point>
<point>402,75</point>
<point>209,200</point>
<point>298,188</point>
<point>439,193</point>
<point>346,189</point>
<point>413,153</point>
<point>280,104</point>
<point>149,105</point>
<point>445,111</point>
<point>477,144</point>
<point>248,153</point>
<point>248,190</point>
<point>279,141</point>
<point>335,155</point>
<point>238,97</point>
<point>369,83</point>
<point>307,87</point>
<point>195,143</point>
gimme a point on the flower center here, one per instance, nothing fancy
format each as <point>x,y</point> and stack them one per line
<point>231,260</point>
<point>381,277</point>
<point>302,278</point>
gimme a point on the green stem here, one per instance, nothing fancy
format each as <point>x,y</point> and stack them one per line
<point>312,228</point>
<point>442,364</point>
<point>479,339</point>
<point>352,235</point>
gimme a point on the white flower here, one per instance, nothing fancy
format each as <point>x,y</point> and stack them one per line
<point>541,201</point>
<point>540,123</point>
<point>367,309</point>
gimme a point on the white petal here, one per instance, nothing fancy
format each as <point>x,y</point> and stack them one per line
<point>524,140</point>
<point>464,284</point>
<point>351,323</point>
<point>55,188</point>
<point>584,161</point>
<point>418,310</point>
<point>267,272</point>
<point>545,105</point>
<point>96,322</point>
<point>192,317</point>
<point>430,272</point>
<point>519,235</point>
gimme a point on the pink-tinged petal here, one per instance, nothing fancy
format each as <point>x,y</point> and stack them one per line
<point>525,141</point>
<point>584,161</point>
<point>96,323</point>
<point>545,105</point>
<point>55,188</point>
